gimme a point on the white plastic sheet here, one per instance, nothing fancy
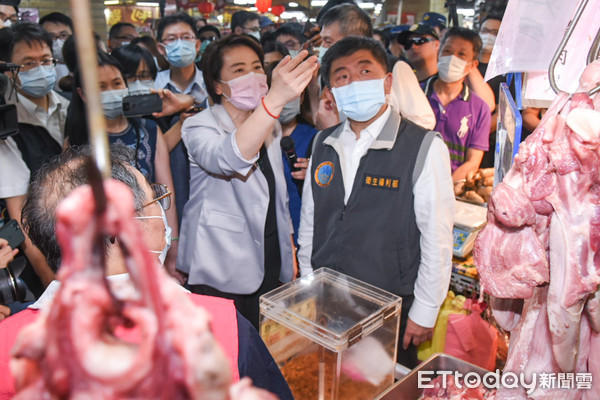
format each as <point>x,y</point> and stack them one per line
<point>531,32</point>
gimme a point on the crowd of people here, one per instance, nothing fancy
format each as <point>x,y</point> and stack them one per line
<point>383,123</point>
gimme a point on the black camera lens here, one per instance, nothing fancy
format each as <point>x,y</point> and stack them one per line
<point>125,106</point>
<point>11,288</point>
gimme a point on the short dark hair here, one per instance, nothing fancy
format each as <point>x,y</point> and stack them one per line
<point>465,33</point>
<point>54,180</point>
<point>69,51</point>
<point>27,32</point>
<point>272,46</point>
<point>348,46</point>
<point>352,19</point>
<point>116,28</point>
<point>57,18</point>
<point>209,28</point>
<point>497,16</point>
<point>212,60</point>
<point>239,18</point>
<point>293,29</point>
<point>174,19</point>
<point>329,5</point>
<point>130,57</point>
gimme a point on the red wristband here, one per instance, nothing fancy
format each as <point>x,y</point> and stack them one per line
<point>267,110</point>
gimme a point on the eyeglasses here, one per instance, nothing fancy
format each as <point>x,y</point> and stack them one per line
<point>492,31</point>
<point>162,196</point>
<point>251,29</point>
<point>173,39</point>
<point>292,45</point>
<point>49,62</point>
<point>209,38</point>
<point>62,36</point>
<point>418,41</point>
<point>144,76</point>
<point>13,17</point>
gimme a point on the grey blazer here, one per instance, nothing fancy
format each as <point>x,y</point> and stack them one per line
<point>222,233</point>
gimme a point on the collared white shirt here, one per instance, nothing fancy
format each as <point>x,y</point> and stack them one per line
<point>196,88</point>
<point>354,149</point>
<point>15,175</point>
<point>434,212</point>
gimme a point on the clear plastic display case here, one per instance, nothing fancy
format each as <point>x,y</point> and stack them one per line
<point>333,337</point>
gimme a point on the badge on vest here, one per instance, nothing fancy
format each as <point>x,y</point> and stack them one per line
<point>324,174</point>
<point>381,182</point>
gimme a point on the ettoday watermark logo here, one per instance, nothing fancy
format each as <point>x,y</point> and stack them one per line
<point>508,380</point>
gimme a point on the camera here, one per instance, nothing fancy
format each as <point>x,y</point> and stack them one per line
<point>140,105</point>
<point>9,122</point>
<point>11,287</point>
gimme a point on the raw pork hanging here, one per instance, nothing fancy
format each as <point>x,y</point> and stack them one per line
<point>539,254</point>
<point>72,351</point>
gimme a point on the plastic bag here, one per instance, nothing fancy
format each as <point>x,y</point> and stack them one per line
<point>530,34</point>
<point>453,304</point>
<point>472,339</point>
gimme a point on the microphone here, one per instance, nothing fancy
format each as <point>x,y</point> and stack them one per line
<point>287,145</point>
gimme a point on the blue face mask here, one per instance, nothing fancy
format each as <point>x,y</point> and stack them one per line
<point>181,53</point>
<point>112,102</point>
<point>38,82</point>
<point>360,100</point>
<point>322,51</point>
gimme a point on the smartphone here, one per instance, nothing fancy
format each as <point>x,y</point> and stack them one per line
<point>308,27</point>
<point>194,110</point>
<point>9,122</point>
<point>140,105</point>
<point>12,233</point>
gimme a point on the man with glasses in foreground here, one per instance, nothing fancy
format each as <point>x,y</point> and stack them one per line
<point>247,354</point>
<point>41,112</point>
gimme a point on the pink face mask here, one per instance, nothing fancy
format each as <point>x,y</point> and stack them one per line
<point>247,90</point>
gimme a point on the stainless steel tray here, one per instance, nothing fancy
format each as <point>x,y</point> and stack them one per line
<point>407,388</point>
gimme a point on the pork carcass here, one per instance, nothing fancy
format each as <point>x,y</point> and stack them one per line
<point>73,350</point>
<point>542,243</point>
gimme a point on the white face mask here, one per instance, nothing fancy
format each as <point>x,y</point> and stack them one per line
<point>255,35</point>
<point>7,23</point>
<point>290,110</point>
<point>57,47</point>
<point>140,87</point>
<point>293,53</point>
<point>322,51</point>
<point>451,68</point>
<point>163,253</point>
<point>487,41</point>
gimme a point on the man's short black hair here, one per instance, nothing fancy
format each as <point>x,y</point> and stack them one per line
<point>210,28</point>
<point>293,29</point>
<point>467,34</point>
<point>329,5</point>
<point>27,32</point>
<point>212,60</point>
<point>272,46</point>
<point>54,180</point>
<point>116,29</point>
<point>240,18</point>
<point>174,19</point>
<point>352,19</point>
<point>348,46</point>
<point>57,18</point>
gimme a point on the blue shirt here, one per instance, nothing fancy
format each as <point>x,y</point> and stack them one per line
<point>302,135</point>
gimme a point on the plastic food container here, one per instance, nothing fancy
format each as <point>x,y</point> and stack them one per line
<point>333,337</point>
